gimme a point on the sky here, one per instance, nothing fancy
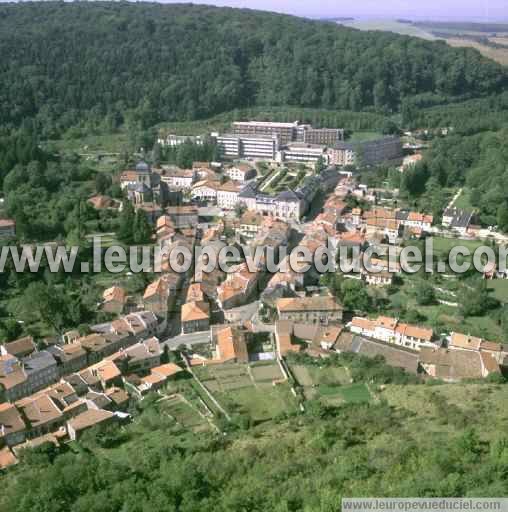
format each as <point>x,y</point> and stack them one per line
<point>470,10</point>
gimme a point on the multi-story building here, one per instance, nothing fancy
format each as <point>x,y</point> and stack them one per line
<point>303,153</point>
<point>227,195</point>
<point>195,317</point>
<point>286,132</point>
<point>180,179</point>
<point>322,136</point>
<point>263,147</point>
<point>177,140</point>
<point>371,152</point>
<point>240,172</point>
<point>70,358</point>
<point>314,310</point>
<point>390,330</point>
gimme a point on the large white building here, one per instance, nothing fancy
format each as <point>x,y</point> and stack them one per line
<point>248,146</point>
<point>227,195</point>
<point>181,179</point>
<point>303,153</point>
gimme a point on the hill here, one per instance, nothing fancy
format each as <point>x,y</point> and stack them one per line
<point>416,440</point>
<point>139,64</point>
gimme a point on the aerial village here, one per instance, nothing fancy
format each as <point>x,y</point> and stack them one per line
<point>275,185</point>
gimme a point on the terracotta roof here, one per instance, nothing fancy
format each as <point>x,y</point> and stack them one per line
<point>115,293</point>
<point>195,293</point>
<point>20,347</point>
<point>7,458</point>
<point>40,410</point>
<point>420,217</point>
<point>363,323</point>
<point>490,346</point>
<point>11,372</point>
<point>10,420</point>
<point>489,363</point>
<point>413,331</point>
<point>459,340</point>
<point>153,378</point>
<point>167,370</point>
<point>308,304</point>
<point>117,395</point>
<point>157,288</point>
<point>231,345</point>
<point>386,322</point>
<point>192,311</point>
<point>104,371</point>
<point>229,186</point>
<point>284,337</point>
<point>452,364</point>
<point>89,419</point>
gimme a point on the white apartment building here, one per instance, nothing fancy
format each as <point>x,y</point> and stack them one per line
<point>240,172</point>
<point>227,195</point>
<point>303,153</point>
<point>248,146</point>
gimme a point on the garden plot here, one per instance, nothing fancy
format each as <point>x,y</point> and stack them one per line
<point>185,414</point>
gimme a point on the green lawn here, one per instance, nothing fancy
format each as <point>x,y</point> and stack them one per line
<point>92,144</point>
<point>464,200</point>
<point>261,404</point>
<point>362,136</point>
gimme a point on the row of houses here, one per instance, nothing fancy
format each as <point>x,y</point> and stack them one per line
<point>391,330</point>
<point>25,370</point>
<point>96,395</point>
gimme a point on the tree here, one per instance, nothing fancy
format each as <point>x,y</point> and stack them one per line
<point>320,165</point>
<point>102,182</point>
<point>424,293</point>
<point>142,231</point>
<point>127,218</point>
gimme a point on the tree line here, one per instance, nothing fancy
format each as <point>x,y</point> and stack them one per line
<point>112,64</point>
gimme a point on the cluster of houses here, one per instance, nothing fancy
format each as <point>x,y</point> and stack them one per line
<point>314,325</point>
<point>55,394</point>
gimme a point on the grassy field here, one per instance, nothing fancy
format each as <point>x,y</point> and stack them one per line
<point>498,54</point>
<point>457,401</point>
<point>249,389</point>
<point>185,414</point>
<point>362,136</point>
<point>500,287</point>
<point>330,385</point>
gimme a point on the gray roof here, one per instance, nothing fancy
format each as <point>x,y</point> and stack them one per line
<point>289,196</point>
<point>460,218</point>
<point>394,356</point>
<point>142,167</point>
<point>142,188</point>
<point>38,361</point>
<point>249,191</point>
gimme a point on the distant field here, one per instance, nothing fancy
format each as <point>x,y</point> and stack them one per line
<point>498,54</point>
<point>446,33</point>
<point>390,26</point>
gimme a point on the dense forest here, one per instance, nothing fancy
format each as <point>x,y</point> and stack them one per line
<point>139,64</point>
